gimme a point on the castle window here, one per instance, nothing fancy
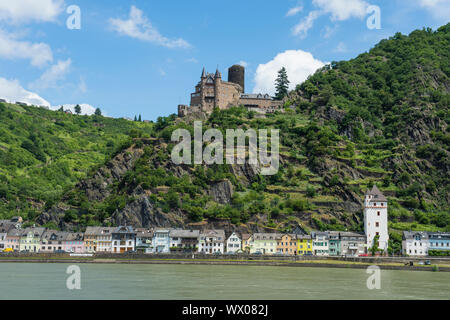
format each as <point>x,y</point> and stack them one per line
<point>377,224</point>
<point>378,213</point>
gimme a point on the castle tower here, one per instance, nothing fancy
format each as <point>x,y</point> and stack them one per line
<point>236,74</point>
<point>203,74</point>
<point>376,218</point>
<point>217,85</point>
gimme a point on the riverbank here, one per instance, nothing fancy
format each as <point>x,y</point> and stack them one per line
<point>318,262</point>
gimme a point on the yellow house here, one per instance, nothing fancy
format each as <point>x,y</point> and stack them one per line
<point>304,245</point>
<point>90,239</point>
<point>247,242</point>
<point>30,239</point>
<point>265,243</point>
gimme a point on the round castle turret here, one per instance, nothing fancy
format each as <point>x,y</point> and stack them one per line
<point>236,74</point>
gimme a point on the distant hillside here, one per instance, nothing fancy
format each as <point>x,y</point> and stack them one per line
<point>44,153</point>
<point>381,118</point>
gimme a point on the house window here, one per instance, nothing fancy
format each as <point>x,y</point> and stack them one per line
<point>377,224</point>
<point>378,213</point>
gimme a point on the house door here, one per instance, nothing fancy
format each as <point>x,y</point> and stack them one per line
<point>122,250</point>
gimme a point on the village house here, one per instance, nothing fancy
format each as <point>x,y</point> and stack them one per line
<point>123,239</point>
<point>212,241</point>
<point>103,237</point>
<point>439,241</point>
<point>30,239</point>
<point>161,241</point>
<point>265,243</point>
<point>144,240</point>
<point>234,243</point>
<point>247,242</point>
<point>3,236</point>
<point>74,243</point>
<point>352,244</point>
<point>52,241</point>
<point>304,245</point>
<point>184,240</point>
<point>415,243</point>
<point>287,244</point>
<point>13,239</point>
<point>334,243</point>
<point>320,243</point>
<point>90,240</point>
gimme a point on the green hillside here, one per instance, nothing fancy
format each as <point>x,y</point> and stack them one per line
<point>381,118</point>
<point>43,153</point>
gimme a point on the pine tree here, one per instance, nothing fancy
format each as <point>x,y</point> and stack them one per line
<point>281,84</point>
<point>98,112</point>
<point>135,118</point>
<point>61,109</point>
<point>140,118</point>
<point>77,109</point>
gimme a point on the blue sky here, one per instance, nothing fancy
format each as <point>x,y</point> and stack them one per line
<point>145,57</point>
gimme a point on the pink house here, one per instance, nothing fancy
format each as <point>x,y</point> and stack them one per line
<point>74,243</point>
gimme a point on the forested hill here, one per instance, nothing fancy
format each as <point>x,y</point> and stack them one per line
<point>381,118</point>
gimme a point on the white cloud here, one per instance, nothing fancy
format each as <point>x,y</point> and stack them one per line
<point>82,87</point>
<point>192,60</point>
<point>139,27</point>
<point>85,108</point>
<point>294,11</point>
<point>23,11</point>
<point>10,48</point>
<point>341,48</point>
<point>243,63</point>
<point>12,91</point>
<point>440,9</point>
<point>299,65</point>
<point>301,29</point>
<point>343,9</point>
<point>339,10</point>
<point>50,78</point>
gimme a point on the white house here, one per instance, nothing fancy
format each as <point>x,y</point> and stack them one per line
<point>321,244</point>
<point>161,241</point>
<point>123,239</point>
<point>415,243</point>
<point>234,243</point>
<point>144,240</point>
<point>3,236</point>
<point>211,241</point>
<point>184,240</point>
<point>376,218</point>
<point>104,239</point>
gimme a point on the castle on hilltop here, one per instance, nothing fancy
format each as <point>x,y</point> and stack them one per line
<point>212,92</point>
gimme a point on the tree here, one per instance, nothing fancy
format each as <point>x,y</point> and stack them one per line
<point>98,112</point>
<point>61,109</point>
<point>135,118</point>
<point>77,109</point>
<point>375,248</point>
<point>140,118</point>
<point>281,84</point>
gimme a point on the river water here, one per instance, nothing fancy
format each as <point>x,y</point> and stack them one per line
<point>207,282</point>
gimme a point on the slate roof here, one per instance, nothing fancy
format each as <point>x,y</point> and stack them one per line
<point>407,235</point>
<point>376,194</point>
<point>178,233</point>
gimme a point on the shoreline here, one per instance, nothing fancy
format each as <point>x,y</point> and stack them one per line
<point>299,263</point>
